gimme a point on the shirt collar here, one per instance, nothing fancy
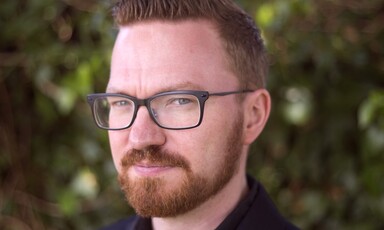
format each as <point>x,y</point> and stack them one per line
<point>235,217</point>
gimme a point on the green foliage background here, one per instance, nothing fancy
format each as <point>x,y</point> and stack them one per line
<point>320,156</point>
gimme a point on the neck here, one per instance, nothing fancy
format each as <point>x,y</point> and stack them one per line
<point>211,213</point>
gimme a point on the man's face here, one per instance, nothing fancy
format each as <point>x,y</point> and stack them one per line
<point>169,172</point>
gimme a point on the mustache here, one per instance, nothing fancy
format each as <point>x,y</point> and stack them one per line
<point>156,156</point>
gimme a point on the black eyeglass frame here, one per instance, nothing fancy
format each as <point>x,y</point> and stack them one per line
<point>202,96</point>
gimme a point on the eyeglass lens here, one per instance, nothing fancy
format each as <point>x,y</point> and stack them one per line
<point>169,111</point>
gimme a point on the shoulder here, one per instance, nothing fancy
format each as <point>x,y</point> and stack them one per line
<point>125,224</point>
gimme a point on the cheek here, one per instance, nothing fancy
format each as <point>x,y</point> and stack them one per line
<point>200,147</point>
<point>215,135</point>
<point>117,143</point>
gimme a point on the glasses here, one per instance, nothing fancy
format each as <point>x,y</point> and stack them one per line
<point>170,110</point>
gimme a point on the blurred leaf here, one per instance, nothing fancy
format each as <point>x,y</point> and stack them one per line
<point>265,14</point>
<point>371,109</point>
<point>68,203</point>
<point>85,184</point>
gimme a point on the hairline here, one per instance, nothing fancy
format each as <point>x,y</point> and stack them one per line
<point>228,59</point>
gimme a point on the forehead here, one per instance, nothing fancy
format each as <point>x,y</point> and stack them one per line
<point>154,56</point>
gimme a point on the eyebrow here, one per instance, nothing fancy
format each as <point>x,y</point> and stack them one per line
<point>186,85</point>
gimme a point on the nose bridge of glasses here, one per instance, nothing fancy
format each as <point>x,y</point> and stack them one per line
<point>146,103</point>
<point>143,102</point>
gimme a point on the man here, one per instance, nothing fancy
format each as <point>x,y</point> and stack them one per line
<point>185,100</point>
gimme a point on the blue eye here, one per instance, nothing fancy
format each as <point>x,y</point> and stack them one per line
<point>120,103</point>
<point>181,101</point>
<point>175,101</point>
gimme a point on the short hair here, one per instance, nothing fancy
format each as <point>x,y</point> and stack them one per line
<point>241,37</point>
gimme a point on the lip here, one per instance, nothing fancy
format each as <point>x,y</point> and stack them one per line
<point>150,170</point>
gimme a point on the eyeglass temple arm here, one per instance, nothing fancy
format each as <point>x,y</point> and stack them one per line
<point>231,92</point>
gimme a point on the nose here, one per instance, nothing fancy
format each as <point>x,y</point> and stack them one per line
<point>144,132</point>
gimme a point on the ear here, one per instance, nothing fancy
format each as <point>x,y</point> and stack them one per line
<point>257,106</point>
